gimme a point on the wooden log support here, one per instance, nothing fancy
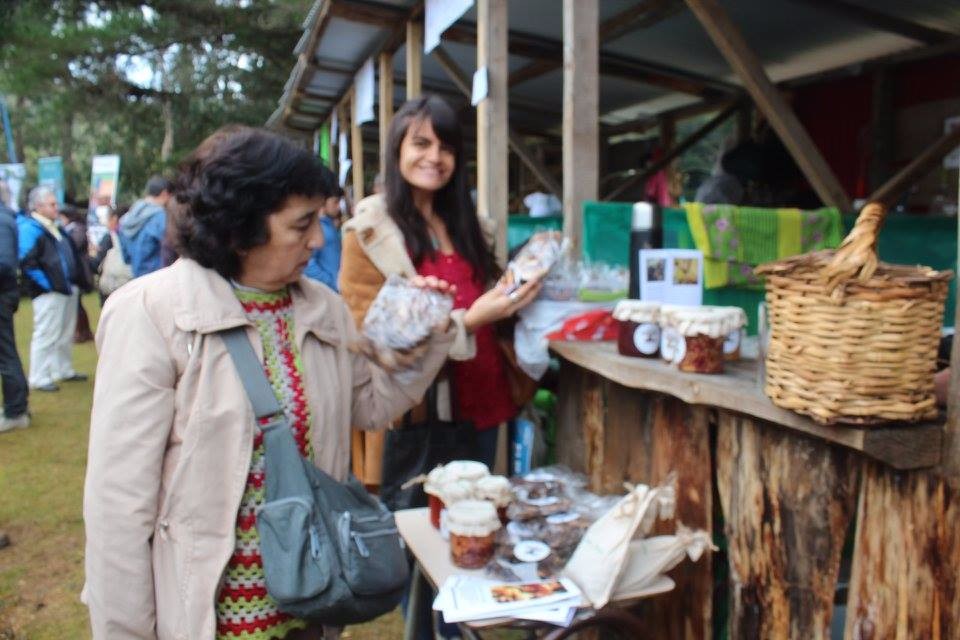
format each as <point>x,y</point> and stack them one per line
<point>386,104</point>
<point>787,503</point>
<point>492,121</point>
<point>581,92</point>
<point>414,58</point>
<point>905,583</point>
<point>614,434</point>
<point>729,40</point>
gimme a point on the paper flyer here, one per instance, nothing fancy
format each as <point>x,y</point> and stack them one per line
<point>364,88</point>
<point>13,174</point>
<point>671,276</point>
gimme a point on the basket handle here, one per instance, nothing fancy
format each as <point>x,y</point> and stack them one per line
<point>857,256</point>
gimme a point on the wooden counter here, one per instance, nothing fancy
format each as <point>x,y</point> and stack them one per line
<point>909,446</point>
<point>780,491</point>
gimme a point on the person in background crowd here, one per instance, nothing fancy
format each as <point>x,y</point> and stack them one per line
<point>325,262</point>
<point>175,472</point>
<point>51,267</point>
<point>74,222</point>
<point>143,228</point>
<point>14,383</point>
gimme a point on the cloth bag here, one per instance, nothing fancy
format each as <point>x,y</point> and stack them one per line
<point>601,558</point>
<point>416,448</point>
<point>114,272</point>
<point>331,551</point>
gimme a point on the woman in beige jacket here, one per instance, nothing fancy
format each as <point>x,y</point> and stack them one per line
<point>175,466</point>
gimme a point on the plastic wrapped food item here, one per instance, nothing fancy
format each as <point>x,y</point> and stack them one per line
<point>473,525</point>
<point>639,330</point>
<point>536,258</point>
<point>403,315</point>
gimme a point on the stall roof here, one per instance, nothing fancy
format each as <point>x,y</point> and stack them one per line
<point>654,57</point>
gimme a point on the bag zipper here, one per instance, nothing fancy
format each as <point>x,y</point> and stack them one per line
<point>361,545</point>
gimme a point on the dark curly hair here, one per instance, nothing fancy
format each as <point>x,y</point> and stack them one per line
<point>229,185</point>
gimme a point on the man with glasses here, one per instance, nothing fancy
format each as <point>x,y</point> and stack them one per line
<point>51,269</point>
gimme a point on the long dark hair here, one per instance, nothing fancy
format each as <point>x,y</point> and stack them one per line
<point>452,203</point>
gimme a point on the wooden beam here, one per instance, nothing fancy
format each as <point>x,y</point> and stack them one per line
<point>386,104</point>
<point>640,16</point>
<point>880,20</point>
<point>882,127</point>
<point>492,121</point>
<point>678,114</point>
<point>414,59</point>
<point>655,74</point>
<point>729,40</point>
<point>922,164</point>
<point>356,151</point>
<point>373,13</point>
<point>950,462</point>
<point>581,98</point>
<point>669,156</point>
<point>460,80</point>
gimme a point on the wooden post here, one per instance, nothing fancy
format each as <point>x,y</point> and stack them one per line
<point>581,93</point>
<point>904,581</point>
<point>787,503</point>
<point>356,152</point>
<point>414,58</point>
<point>386,104</point>
<point>334,143</point>
<point>492,159</point>
<point>729,40</point>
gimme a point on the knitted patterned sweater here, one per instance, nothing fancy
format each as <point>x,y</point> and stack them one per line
<point>244,609</point>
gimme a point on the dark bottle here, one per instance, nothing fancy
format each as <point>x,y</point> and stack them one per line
<point>646,232</point>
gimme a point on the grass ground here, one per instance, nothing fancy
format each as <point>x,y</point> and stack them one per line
<point>41,488</point>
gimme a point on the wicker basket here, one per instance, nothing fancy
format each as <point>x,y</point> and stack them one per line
<point>852,339</point>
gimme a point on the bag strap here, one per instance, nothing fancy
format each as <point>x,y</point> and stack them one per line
<point>251,373</point>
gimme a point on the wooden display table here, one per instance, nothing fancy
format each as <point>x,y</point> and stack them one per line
<point>789,491</point>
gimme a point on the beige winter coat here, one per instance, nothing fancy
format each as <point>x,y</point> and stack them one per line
<point>171,436</point>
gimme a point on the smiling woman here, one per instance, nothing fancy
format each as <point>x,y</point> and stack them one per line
<point>176,470</point>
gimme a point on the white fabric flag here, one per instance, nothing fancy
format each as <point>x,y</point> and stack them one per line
<point>364,87</point>
<point>438,16</point>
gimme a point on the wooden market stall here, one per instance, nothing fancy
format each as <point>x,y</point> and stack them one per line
<point>577,75</point>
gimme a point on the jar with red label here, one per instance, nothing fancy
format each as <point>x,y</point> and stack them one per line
<point>639,328</point>
<point>473,525</point>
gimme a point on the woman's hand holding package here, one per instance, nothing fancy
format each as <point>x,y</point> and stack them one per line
<point>502,301</point>
<point>402,318</point>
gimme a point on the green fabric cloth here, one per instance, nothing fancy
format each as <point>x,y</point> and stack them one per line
<point>734,240</point>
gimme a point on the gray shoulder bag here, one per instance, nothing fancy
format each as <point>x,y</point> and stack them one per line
<point>331,551</point>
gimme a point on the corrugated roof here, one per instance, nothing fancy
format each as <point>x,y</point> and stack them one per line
<point>667,63</point>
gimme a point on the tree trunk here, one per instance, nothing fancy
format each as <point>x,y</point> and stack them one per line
<point>787,502</point>
<point>166,147</point>
<point>66,153</point>
<point>904,583</point>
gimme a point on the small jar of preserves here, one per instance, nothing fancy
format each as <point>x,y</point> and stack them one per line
<point>473,526</point>
<point>639,329</point>
<point>432,487</point>
<point>704,331</point>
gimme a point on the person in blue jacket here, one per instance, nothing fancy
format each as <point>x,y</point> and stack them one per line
<point>14,382</point>
<point>324,264</point>
<point>143,228</point>
<point>53,276</point>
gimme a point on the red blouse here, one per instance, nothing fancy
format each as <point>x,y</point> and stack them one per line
<point>481,386</point>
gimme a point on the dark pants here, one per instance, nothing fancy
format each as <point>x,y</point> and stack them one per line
<point>11,370</point>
